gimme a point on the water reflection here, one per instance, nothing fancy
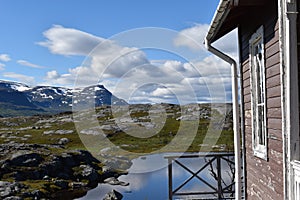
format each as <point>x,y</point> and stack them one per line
<point>154,184</point>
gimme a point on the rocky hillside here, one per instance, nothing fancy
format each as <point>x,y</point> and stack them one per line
<point>43,157</point>
<point>17,99</point>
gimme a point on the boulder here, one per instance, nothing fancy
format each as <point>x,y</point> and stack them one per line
<point>22,175</point>
<point>8,189</point>
<point>86,172</point>
<point>63,141</point>
<point>113,195</point>
<point>13,198</point>
<point>117,163</point>
<point>115,181</point>
<point>63,166</point>
<point>76,185</point>
<point>62,184</point>
<point>72,169</point>
<point>64,132</point>
<point>26,159</point>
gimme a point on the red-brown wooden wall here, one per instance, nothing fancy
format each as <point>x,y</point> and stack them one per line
<point>264,179</point>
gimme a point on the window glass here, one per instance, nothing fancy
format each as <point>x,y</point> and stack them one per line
<point>258,97</point>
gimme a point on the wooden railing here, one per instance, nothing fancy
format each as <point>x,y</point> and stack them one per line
<point>213,165</point>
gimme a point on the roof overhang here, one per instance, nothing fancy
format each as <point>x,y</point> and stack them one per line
<point>229,14</point>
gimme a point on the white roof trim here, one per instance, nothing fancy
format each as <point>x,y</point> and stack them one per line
<point>219,17</point>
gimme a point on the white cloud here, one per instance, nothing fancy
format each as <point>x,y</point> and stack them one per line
<point>29,64</point>
<point>2,66</point>
<point>128,74</point>
<point>172,81</point>
<point>161,92</point>
<point>69,41</point>
<point>20,77</point>
<point>80,76</point>
<point>4,57</point>
<point>114,60</point>
<point>52,75</point>
<point>54,78</point>
<point>192,37</point>
<point>108,59</point>
<point>175,82</point>
<point>213,66</point>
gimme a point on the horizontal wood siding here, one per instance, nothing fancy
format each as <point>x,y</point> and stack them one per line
<point>264,179</point>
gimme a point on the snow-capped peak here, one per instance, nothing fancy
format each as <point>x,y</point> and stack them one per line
<point>16,86</point>
<point>20,88</point>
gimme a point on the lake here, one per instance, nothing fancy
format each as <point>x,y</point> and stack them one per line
<point>148,178</point>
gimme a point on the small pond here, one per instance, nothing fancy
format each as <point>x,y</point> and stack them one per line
<point>148,178</point>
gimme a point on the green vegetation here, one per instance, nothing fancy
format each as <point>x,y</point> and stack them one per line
<point>49,130</point>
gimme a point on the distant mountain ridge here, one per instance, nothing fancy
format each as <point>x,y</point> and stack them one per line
<point>18,99</point>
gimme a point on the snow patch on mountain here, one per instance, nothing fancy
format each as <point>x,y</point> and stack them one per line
<point>15,86</point>
<point>48,99</point>
<point>20,88</point>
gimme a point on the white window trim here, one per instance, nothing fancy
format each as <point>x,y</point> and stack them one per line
<point>295,180</point>
<point>259,150</point>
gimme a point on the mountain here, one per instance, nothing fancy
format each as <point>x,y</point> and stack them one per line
<point>17,99</point>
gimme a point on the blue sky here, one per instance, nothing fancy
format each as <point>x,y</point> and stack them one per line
<point>49,43</point>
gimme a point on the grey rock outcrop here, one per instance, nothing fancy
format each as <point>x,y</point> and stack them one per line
<point>115,181</point>
<point>66,171</point>
<point>8,189</point>
<point>113,195</point>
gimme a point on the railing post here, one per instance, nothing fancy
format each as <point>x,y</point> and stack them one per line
<point>219,172</point>
<point>170,178</point>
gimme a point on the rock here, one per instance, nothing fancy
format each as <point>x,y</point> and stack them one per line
<point>68,170</point>
<point>110,127</point>
<point>115,181</point>
<point>62,184</point>
<point>26,159</point>
<point>46,177</point>
<point>64,132</point>
<point>113,195</point>
<point>60,132</point>
<point>28,175</point>
<point>28,136</point>
<point>48,132</point>
<point>86,172</point>
<point>188,118</point>
<point>8,189</point>
<point>37,194</point>
<point>7,123</point>
<point>106,151</point>
<point>90,132</point>
<point>147,125</point>
<point>75,185</point>
<point>106,169</point>
<point>63,141</point>
<point>13,198</point>
<point>5,166</point>
<point>117,163</point>
<point>63,166</point>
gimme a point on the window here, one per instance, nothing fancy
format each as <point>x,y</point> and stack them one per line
<point>258,94</point>
<point>295,179</point>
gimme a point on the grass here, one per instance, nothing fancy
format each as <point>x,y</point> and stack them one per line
<point>173,130</point>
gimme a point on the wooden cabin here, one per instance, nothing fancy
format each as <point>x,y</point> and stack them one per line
<point>268,36</point>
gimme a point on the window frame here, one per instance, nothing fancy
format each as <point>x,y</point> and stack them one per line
<point>258,94</point>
